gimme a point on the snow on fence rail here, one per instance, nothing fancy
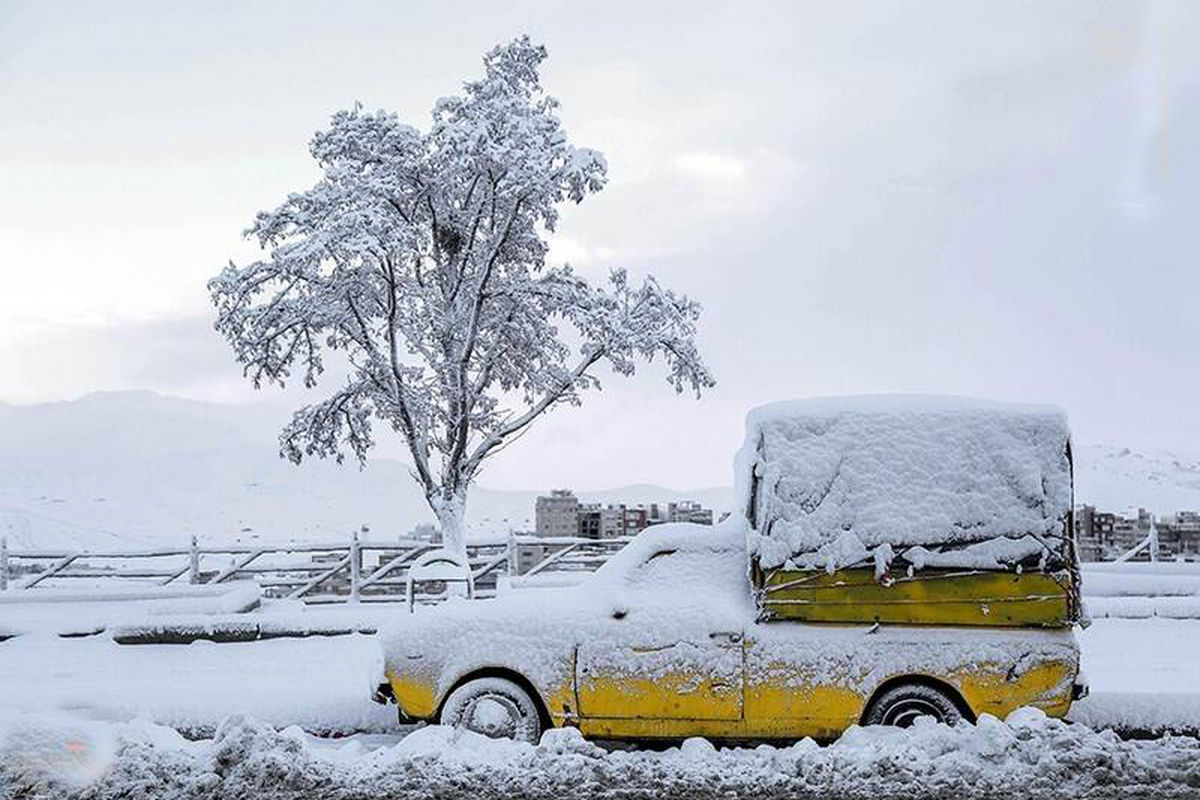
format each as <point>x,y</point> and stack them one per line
<point>315,572</point>
<point>376,571</point>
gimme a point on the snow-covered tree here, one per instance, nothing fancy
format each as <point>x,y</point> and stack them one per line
<point>419,258</point>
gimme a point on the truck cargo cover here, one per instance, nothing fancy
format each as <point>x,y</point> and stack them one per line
<point>941,481</point>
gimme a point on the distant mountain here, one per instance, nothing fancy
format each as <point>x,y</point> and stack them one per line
<point>136,468</point>
<point>1116,478</point>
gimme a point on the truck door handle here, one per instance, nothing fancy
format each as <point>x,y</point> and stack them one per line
<point>732,638</point>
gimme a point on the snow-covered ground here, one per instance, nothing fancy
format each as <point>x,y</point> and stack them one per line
<point>322,684</point>
<point>1142,674</point>
<point>91,718</point>
<point>1026,756</point>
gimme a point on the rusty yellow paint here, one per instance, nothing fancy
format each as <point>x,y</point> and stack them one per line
<point>786,710</point>
<point>1045,685</point>
<point>561,703</point>
<point>933,597</point>
<point>673,695</point>
<point>770,708</point>
<point>416,696</point>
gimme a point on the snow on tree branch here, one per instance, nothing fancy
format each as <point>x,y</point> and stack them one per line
<point>420,259</point>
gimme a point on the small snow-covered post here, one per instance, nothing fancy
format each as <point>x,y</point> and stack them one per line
<point>512,552</point>
<point>355,567</point>
<point>193,562</point>
<point>3,564</point>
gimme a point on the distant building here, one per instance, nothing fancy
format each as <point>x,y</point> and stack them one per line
<point>1105,536</point>
<point>634,520</point>
<point>561,514</point>
<point>682,511</point>
<point>1094,534</point>
<point>426,532</point>
<point>689,511</point>
<point>557,514</point>
<point>1131,530</point>
<point>601,522</point>
<point>1179,535</point>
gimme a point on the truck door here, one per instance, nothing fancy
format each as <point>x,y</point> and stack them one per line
<point>660,654</point>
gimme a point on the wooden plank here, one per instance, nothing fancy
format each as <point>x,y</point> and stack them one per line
<point>984,598</point>
<point>318,580</point>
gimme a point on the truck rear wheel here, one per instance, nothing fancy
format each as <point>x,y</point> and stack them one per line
<point>494,707</point>
<point>900,706</point>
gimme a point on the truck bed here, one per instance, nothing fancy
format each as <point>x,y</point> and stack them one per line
<point>931,596</point>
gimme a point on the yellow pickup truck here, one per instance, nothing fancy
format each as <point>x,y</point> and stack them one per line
<point>889,558</point>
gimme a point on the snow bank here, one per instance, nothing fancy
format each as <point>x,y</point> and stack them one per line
<point>322,684</point>
<point>828,482</point>
<point>70,611</point>
<point>1142,713</point>
<point>1140,580</point>
<point>1143,607</point>
<point>1027,756</point>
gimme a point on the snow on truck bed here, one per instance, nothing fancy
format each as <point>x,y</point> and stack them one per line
<point>963,483</point>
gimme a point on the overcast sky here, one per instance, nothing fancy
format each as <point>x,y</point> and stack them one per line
<point>985,199</point>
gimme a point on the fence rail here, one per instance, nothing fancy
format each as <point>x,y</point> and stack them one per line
<point>314,572</point>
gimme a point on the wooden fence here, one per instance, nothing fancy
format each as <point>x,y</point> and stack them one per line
<point>315,572</point>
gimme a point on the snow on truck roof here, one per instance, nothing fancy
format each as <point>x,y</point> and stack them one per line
<point>831,482</point>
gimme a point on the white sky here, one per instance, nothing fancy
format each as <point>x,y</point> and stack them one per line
<point>988,199</point>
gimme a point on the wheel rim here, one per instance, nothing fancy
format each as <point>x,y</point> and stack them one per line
<point>494,716</point>
<point>904,712</point>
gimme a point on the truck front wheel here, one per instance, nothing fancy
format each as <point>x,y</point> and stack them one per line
<point>901,705</point>
<point>494,707</point>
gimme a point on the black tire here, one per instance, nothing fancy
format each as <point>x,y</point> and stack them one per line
<point>900,706</point>
<point>494,707</point>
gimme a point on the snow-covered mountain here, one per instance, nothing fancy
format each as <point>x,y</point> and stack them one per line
<point>1116,478</point>
<point>136,468</point>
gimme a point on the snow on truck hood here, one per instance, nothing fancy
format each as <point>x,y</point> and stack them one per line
<point>712,558</point>
<point>830,482</point>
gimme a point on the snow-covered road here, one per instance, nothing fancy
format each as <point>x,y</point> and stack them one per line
<point>89,717</point>
<point>1142,674</point>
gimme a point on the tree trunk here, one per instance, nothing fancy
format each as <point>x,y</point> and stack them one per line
<point>451,516</point>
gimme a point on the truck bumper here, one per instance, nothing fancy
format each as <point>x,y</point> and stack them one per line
<point>384,694</point>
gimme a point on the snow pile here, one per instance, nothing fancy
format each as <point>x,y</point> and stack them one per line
<point>1028,756</point>
<point>322,684</point>
<point>1137,591</point>
<point>74,611</point>
<point>1145,579</point>
<point>829,482</point>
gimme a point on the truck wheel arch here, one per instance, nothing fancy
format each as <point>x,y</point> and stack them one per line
<point>950,689</point>
<point>508,674</point>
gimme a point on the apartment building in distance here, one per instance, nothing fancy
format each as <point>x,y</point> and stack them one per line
<point>557,514</point>
<point>1179,534</point>
<point>1104,536</point>
<point>561,514</point>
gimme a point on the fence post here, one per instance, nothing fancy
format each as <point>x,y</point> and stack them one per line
<point>194,562</point>
<point>355,568</point>
<point>512,555</point>
<point>3,563</point>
